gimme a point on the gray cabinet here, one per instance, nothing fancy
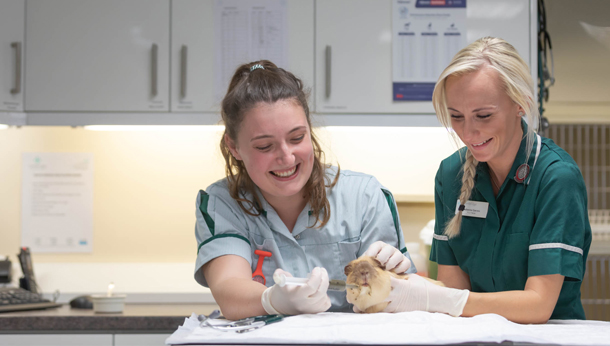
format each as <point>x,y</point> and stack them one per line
<point>12,17</point>
<point>110,62</point>
<point>192,67</point>
<point>193,87</point>
<point>353,52</point>
<point>97,56</point>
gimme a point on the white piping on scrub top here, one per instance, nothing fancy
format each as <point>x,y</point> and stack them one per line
<point>556,246</point>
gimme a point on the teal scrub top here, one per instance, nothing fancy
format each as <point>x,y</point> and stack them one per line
<point>537,227</point>
<point>362,211</point>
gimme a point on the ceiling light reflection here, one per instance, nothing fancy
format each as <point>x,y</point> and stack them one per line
<point>167,128</point>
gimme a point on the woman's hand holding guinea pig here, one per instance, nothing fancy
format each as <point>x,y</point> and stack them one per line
<point>310,298</point>
<point>418,294</point>
<point>390,257</point>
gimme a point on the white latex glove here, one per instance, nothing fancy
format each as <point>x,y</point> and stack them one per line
<point>419,294</point>
<point>389,256</point>
<point>310,298</point>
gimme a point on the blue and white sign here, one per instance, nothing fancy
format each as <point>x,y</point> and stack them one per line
<point>426,34</point>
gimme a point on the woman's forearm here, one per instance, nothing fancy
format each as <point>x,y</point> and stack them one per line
<point>534,304</point>
<point>516,306</point>
<point>230,280</point>
<point>239,298</point>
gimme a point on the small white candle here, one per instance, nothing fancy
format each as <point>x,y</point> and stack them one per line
<point>110,288</point>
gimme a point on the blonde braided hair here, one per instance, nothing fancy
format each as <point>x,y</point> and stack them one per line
<point>470,168</point>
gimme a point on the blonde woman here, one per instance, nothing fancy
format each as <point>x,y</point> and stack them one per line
<point>512,231</point>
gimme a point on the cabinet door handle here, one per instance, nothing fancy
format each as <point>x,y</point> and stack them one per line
<point>328,67</point>
<point>153,60</point>
<point>183,66</point>
<point>17,88</point>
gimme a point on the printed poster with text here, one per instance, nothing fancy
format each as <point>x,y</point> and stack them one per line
<point>57,202</point>
<point>246,31</point>
<point>426,34</point>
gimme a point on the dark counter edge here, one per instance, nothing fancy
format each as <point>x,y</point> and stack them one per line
<point>91,325</point>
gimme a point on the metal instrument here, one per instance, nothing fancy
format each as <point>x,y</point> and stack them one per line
<point>240,326</point>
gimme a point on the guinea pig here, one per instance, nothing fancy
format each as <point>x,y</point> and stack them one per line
<point>373,283</point>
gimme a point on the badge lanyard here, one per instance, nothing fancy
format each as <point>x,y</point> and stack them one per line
<point>479,209</point>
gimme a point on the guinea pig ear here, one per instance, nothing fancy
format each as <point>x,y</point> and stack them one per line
<point>348,269</point>
<point>377,263</point>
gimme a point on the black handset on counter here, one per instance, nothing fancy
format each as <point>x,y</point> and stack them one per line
<point>27,281</point>
<point>6,271</point>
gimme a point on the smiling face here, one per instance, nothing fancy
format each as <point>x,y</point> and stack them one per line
<point>274,143</point>
<point>484,117</point>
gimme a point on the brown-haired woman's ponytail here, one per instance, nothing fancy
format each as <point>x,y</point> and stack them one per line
<point>452,229</point>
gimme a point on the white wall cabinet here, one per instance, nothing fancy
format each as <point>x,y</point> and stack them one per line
<point>89,59</point>
<point>301,19</point>
<point>359,36</point>
<point>193,87</point>
<point>12,19</point>
<point>192,56</point>
<point>97,56</point>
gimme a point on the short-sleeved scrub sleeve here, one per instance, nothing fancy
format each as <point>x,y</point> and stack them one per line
<point>558,237</point>
<point>219,231</point>
<point>441,252</point>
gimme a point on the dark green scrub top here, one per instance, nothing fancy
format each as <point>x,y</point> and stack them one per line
<point>540,228</point>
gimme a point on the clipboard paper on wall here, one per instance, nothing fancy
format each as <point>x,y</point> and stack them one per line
<point>417,327</point>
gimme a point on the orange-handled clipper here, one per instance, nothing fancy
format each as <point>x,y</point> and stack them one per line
<point>258,273</point>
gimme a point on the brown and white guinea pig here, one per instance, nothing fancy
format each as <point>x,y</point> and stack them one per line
<point>373,284</point>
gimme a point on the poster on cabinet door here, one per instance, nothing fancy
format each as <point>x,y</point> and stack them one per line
<point>246,31</point>
<point>426,34</point>
<point>57,202</point>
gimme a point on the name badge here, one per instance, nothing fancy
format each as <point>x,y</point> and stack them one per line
<point>473,209</point>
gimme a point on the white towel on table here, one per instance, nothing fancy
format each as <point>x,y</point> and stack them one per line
<point>415,327</point>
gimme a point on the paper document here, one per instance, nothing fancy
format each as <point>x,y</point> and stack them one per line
<point>57,202</point>
<point>247,31</point>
